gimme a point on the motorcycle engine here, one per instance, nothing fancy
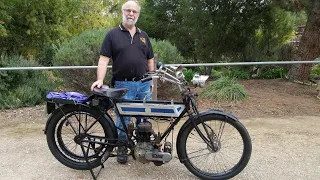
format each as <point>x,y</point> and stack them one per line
<point>143,133</point>
<point>141,149</point>
<point>145,150</point>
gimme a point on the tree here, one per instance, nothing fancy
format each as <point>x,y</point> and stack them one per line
<point>277,25</point>
<point>221,28</point>
<point>4,19</point>
<point>31,26</point>
<point>309,47</point>
<point>35,23</point>
<point>218,30</point>
<point>95,14</point>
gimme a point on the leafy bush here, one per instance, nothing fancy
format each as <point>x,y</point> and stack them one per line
<point>225,89</point>
<point>316,70</point>
<point>216,73</point>
<point>46,54</point>
<point>167,52</point>
<point>82,50</point>
<point>22,87</point>
<point>237,73</point>
<point>272,72</point>
<point>188,75</point>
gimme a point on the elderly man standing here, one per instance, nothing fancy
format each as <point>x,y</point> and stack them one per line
<point>131,53</point>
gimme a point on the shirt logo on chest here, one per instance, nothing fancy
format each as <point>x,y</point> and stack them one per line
<point>142,39</point>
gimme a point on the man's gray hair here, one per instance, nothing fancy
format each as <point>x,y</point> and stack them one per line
<point>124,4</point>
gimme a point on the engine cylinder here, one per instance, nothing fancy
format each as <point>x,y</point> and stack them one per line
<point>145,126</point>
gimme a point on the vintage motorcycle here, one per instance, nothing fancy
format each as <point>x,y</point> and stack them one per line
<point>81,134</point>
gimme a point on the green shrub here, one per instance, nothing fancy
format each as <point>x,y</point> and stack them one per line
<point>216,73</point>
<point>23,87</point>
<point>225,89</point>
<point>46,54</point>
<point>188,75</point>
<point>167,52</point>
<point>272,72</point>
<point>316,70</point>
<point>82,50</point>
<point>237,73</point>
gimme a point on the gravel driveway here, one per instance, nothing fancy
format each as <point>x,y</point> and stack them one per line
<point>283,148</point>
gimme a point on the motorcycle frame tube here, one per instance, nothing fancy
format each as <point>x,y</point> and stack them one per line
<point>176,119</point>
<point>174,123</point>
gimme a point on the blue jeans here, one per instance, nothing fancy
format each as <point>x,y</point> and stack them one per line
<point>136,91</point>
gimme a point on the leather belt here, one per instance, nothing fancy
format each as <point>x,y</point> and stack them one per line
<point>128,79</point>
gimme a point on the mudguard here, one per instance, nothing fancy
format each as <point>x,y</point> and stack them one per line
<point>201,114</point>
<point>107,116</point>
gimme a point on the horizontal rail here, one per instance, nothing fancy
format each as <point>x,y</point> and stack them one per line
<point>247,63</point>
<point>48,68</point>
<point>184,65</point>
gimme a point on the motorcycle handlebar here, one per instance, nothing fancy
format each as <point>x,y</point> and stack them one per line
<point>146,79</point>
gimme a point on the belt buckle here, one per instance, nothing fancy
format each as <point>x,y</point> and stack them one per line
<point>133,79</point>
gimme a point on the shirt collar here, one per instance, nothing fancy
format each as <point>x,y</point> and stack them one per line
<point>122,28</point>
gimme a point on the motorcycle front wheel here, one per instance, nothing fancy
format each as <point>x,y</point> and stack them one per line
<point>226,157</point>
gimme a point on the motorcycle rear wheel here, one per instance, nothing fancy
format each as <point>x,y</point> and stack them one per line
<point>68,126</point>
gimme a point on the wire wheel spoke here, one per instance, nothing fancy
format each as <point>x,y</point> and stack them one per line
<point>200,155</point>
<point>74,128</point>
<point>226,152</point>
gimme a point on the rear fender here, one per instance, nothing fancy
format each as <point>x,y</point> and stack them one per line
<point>194,117</point>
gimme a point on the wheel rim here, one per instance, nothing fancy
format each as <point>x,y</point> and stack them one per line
<point>70,133</point>
<point>225,155</point>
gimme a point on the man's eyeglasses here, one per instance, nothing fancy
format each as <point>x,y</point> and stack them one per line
<point>130,10</point>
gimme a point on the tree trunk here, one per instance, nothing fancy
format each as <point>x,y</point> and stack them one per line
<point>208,70</point>
<point>309,47</point>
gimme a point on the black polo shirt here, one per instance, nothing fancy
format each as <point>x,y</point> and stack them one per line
<point>129,54</point>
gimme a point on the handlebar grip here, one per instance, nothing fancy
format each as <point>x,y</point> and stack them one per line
<point>160,65</point>
<point>146,79</point>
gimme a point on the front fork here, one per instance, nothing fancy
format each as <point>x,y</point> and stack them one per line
<point>209,141</point>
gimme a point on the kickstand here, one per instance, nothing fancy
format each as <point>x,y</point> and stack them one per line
<point>104,157</point>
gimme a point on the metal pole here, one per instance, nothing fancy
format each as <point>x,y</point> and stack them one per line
<point>184,65</point>
<point>246,63</point>
<point>154,92</point>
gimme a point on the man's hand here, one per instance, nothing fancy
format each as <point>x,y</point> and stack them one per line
<point>101,72</point>
<point>97,84</point>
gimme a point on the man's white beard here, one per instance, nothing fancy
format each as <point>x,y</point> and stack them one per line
<point>128,23</point>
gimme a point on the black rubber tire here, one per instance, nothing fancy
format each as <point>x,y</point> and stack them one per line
<point>59,149</point>
<point>243,161</point>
